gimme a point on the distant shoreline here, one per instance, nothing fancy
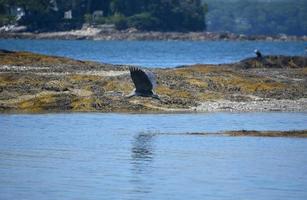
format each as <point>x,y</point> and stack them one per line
<point>133,34</point>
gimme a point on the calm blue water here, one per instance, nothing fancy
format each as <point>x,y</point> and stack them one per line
<point>129,156</point>
<point>155,53</point>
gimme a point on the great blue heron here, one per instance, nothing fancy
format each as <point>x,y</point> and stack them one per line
<point>144,83</point>
<point>258,53</point>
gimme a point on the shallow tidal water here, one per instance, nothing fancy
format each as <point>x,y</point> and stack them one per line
<point>151,156</point>
<point>156,53</point>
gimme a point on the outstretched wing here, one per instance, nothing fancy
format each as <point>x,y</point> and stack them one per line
<point>152,78</point>
<point>140,79</point>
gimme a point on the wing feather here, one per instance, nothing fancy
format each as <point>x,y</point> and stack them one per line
<point>140,79</point>
<point>152,78</point>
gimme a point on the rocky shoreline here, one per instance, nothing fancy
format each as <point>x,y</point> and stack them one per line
<point>90,33</point>
<point>253,133</point>
<point>294,133</point>
<point>34,83</point>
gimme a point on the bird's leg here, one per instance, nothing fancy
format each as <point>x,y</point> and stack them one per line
<point>132,94</point>
<point>155,96</point>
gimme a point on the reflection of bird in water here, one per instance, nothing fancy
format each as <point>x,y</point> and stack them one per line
<point>142,153</point>
<point>258,53</point>
<point>144,83</point>
<point>142,147</point>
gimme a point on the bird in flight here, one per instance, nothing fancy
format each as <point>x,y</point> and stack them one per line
<point>144,83</point>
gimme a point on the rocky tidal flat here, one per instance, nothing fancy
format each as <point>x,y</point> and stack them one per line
<point>294,133</point>
<point>35,83</point>
<point>254,133</point>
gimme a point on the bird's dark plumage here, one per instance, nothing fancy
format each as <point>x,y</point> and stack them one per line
<point>141,81</point>
<point>144,83</point>
<point>258,53</point>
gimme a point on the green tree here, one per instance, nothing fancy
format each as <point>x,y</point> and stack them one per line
<point>260,17</point>
<point>166,15</point>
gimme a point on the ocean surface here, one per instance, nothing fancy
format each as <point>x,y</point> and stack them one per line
<point>150,156</point>
<point>156,53</point>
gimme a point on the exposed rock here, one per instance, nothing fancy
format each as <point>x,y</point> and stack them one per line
<point>56,85</point>
<point>12,29</point>
<point>274,62</point>
<point>38,83</point>
<point>294,133</point>
<point>243,133</point>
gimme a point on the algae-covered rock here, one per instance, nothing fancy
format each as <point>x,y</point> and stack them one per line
<point>274,62</point>
<point>294,133</point>
<point>56,85</point>
<point>38,83</point>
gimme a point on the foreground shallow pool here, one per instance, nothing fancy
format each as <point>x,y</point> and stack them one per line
<point>130,156</point>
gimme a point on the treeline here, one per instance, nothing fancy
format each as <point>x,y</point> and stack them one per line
<point>258,17</point>
<point>162,15</point>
